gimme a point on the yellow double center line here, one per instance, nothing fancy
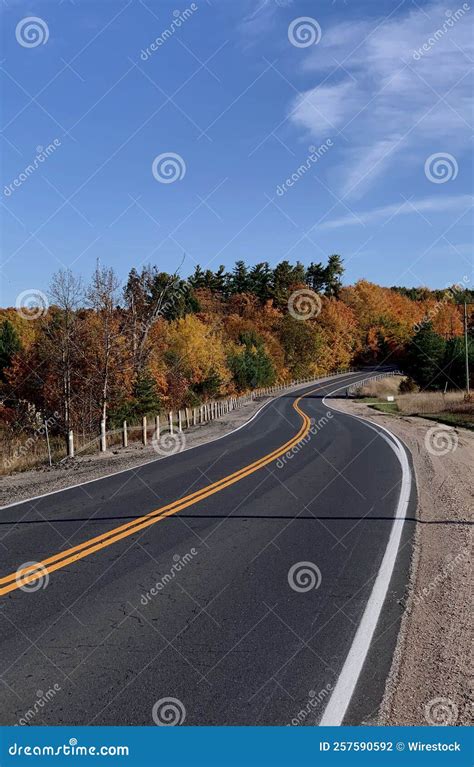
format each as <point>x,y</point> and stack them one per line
<point>29,574</point>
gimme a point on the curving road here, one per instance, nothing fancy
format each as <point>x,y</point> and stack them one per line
<point>236,578</point>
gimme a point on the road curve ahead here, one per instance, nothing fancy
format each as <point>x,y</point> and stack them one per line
<point>236,579</point>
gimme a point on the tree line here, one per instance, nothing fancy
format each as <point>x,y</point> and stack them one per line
<point>103,351</point>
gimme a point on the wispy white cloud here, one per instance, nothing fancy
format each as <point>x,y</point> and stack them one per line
<point>387,99</point>
<point>402,208</point>
<point>258,20</point>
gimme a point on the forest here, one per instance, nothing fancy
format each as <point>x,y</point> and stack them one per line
<point>106,351</point>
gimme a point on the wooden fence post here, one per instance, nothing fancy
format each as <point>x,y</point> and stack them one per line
<point>103,438</point>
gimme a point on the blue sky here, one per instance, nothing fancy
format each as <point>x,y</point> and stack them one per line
<point>239,91</point>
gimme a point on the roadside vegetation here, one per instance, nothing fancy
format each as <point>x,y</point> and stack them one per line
<point>106,351</point>
<point>451,407</point>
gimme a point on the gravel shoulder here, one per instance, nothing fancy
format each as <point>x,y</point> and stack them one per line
<point>431,678</point>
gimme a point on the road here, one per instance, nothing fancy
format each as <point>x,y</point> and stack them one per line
<point>183,579</point>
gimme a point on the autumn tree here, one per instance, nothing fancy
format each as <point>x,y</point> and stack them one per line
<point>302,344</point>
<point>148,295</point>
<point>102,295</point>
<point>195,354</point>
<point>66,293</point>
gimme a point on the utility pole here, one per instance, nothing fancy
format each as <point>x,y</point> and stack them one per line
<point>466,348</point>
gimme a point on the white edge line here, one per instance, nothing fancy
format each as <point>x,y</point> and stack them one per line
<point>338,703</point>
<point>163,458</point>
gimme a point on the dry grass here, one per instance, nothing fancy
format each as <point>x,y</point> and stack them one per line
<point>451,404</point>
<point>28,453</point>
<point>433,402</point>
<point>382,388</point>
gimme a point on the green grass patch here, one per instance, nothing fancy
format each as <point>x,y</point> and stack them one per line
<point>450,419</point>
<point>385,407</point>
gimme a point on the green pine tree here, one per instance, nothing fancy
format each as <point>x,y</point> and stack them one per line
<point>9,345</point>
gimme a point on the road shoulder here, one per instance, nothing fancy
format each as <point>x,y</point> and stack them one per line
<point>430,677</point>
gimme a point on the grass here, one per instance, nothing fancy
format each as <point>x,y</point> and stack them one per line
<point>425,403</point>
<point>385,407</point>
<point>380,389</point>
<point>450,408</point>
<point>451,419</point>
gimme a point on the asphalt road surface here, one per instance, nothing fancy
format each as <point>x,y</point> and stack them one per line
<point>230,578</point>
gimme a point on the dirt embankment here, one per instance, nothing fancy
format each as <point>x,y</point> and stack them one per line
<point>432,677</point>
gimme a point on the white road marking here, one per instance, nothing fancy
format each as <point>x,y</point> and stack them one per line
<point>338,703</point>
<point>163,458</point>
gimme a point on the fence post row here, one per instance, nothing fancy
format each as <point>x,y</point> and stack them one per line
<point>209,411</point>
